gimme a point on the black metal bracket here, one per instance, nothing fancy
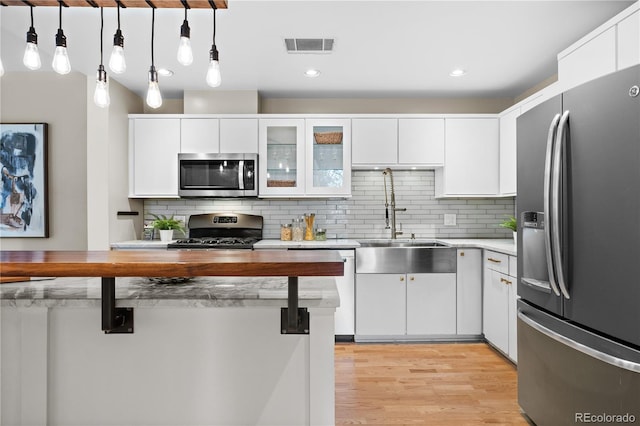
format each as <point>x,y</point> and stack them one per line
<point>114,320</point>
<point>293,320</point>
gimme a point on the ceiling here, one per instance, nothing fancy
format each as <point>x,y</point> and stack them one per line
<point>382,48</point>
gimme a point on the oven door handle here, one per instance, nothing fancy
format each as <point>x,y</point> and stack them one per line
<point>241,174</point>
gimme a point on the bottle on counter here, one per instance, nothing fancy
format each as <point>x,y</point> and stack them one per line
<point>297,230</point>
<point>308,233</point>
<point>286,232</point>
<point>321,234</point>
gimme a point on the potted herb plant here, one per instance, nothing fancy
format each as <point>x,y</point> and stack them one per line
<point>511,223</point>
<point>166,226</point>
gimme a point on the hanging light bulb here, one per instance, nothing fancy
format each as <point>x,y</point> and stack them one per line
<point>154,97</point>
<point>61,63</point>
<point>101,94</point>
<point>31,58</point>
<point>117,62</point>
<point>185,53</point>
<point>214,79</point>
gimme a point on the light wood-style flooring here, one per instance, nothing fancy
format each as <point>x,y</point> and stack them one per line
<point>424,384</point>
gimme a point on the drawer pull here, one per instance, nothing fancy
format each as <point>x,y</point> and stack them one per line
<point>491,259</point>
<point>507,282</point>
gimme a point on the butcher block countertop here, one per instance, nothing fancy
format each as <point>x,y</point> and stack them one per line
<point>178,263</point>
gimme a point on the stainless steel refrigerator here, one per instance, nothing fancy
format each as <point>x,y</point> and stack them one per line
<point>578,207</point>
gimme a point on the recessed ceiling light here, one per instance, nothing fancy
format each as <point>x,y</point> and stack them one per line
<point>311,73</point>
<point>457,72</point>
<point>165,72</point>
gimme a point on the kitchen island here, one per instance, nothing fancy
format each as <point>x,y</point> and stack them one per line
<point>204,350</point>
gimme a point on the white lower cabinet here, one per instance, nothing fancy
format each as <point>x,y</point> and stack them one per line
<point>404,305</point>
<point>469,294</point>
<point>499,302</point>
<point>495,308</point>
<point>431,302</point>
<point>381,304</point>
<point>344,317</point>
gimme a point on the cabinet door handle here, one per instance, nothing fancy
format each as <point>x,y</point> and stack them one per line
<point>412,278</point>
<point>461,253</point>
<point>401,278</point>
<point>491,259</point>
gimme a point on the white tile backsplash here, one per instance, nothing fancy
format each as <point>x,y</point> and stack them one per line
<point>363,215</point>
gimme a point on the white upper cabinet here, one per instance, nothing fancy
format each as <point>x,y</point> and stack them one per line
<point>591,60</point>
<point>328,152</point>
<point>153,157</point>
<point>281,157</point>
<point>629,41</point>
<point>471,166</point>
<point>239,135</point>
<point>375,141</point>
<point>421,141</point>
<point>612,46</point>
<point>199,135</point>
<point>508,160</point>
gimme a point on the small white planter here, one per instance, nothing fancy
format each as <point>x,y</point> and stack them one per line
<point>166,234</point>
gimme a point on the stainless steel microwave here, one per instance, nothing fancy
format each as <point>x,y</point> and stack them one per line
<point>218,175</point>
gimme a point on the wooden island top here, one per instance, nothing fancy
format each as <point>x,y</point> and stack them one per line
<point>178,263</point>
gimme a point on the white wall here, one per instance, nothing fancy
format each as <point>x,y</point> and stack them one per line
<point>107,169</point>
<point>60,101</point>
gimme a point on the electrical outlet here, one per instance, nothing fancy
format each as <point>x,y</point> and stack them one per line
<point>181,218</point>
<point>449,219</point>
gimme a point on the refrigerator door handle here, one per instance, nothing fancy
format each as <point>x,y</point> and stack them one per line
<point>604,357</point>
<point>548,164</point>
<point>556,231</point>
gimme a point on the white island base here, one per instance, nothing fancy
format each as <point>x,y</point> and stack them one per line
<point>188,362</point>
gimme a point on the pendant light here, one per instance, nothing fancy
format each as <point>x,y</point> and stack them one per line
<point>61,63</point>
<point>117,63</point>
<point>154,97</point>
<point>213,73</point>
<point>101,95</point>
<point>31,58</point>
<point>185,53</point>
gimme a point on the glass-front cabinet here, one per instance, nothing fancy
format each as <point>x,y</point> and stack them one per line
<point>304,157</point>
<point>281,157</point>
<point>328,145</point>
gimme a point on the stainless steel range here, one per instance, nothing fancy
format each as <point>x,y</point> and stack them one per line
<point>221,231</point>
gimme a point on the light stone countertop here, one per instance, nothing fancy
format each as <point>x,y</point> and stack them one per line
<point>506,246</point>
<point>313,292</point>
<point>330,243</point>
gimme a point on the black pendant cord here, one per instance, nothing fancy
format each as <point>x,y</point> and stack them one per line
<point>101,31</point>
<point>153,24</point>
<point>31,16</point>
<point>214,26</point>
<point>118,14</point>
<point>60,15</point>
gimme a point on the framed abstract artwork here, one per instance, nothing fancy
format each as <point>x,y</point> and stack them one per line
<point>23,163</point>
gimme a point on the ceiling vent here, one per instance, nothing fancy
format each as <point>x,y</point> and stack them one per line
<point>309,45</point>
